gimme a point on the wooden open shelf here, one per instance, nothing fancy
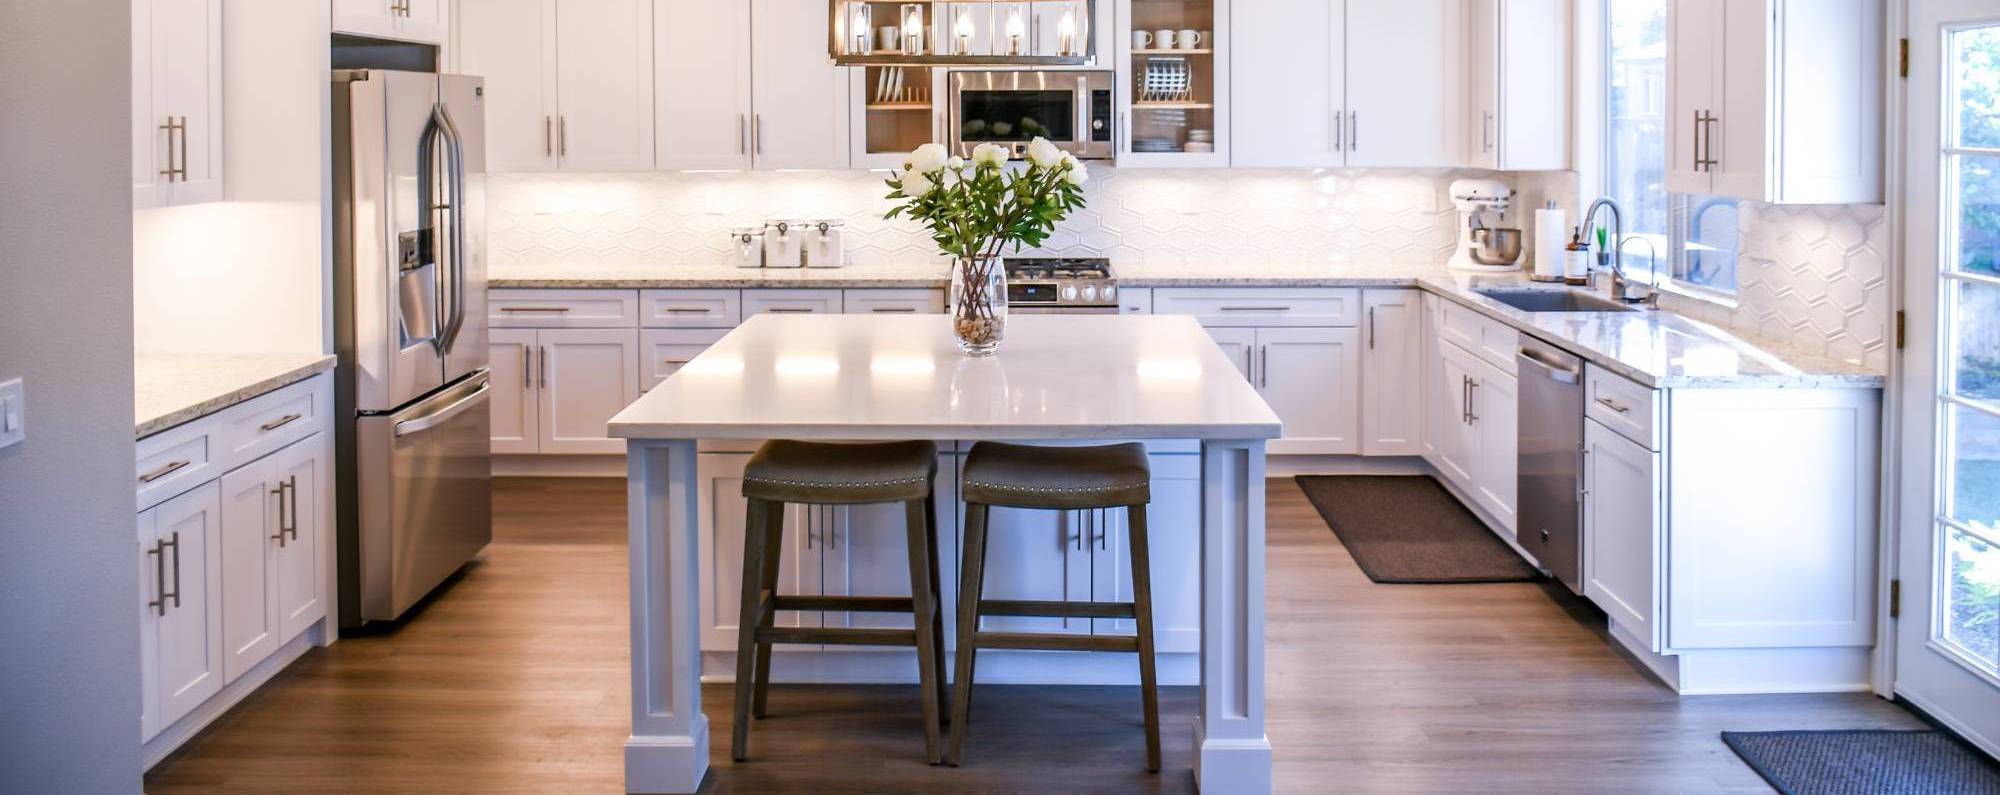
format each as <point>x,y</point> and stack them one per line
<point>1173,106</point>
<point>899,106</point>
<point>1158,51</point>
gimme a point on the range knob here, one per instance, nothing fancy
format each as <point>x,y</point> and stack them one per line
<point>1110,292</point>
<point>1068,293</point>
<point>1090,293</point>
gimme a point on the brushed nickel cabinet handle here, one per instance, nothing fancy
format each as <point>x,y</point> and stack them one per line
<point>1371,328</point>
<point>757,133</point>
<point>280,422</point>
<point>159,601</point>
<point>292,495</point>
<point>742,136</point>
<point>1339,132</point>
<point>562,136</point>
<point>1465,399</point>
<point>1471,397</point>
<point>548,136</point>
<point>894,310</point>
<point>168,128</point>
<point>1613,405</point>
<point>164,471</point>
<point>183,168</point>
<point>790,310</point>
<point>176,593</point>
<point>1255,309</point>
<point>279,536</point>
<point>545,367</point>
<point>527,368</point>
<point>1697,126</point>
<point>1354,135</point>
<point>687,310</point>
<point>1263,366</point>
<point>1583,474</point>
<point>554,309</point>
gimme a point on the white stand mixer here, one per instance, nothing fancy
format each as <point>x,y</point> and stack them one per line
<point>1483,247</point>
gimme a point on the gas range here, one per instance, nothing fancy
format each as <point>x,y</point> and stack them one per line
<point>1080,285</point>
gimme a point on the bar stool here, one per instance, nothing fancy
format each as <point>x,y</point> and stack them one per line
<point>819,473</point>
<point>1054,479</point>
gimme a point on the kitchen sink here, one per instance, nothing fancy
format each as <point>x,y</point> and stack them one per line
<point>1554,301</point>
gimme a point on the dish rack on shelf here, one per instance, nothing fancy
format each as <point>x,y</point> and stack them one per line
<point>894,89</point>
<point>1166,80</point>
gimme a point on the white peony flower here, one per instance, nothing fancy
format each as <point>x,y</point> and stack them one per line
<point>989,156</point>
<point>955,163</point>
<point>914,183</point>
<point>1043,153</point>
<point>1077,173</point>
<point>928,158</point>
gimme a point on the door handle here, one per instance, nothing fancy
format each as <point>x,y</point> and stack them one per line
<point>280,422</point>
<point>1583,473</point>
<point>1613,405</point>
<point>1354,135</point>
<point>1339,132</point>
<point>757,134</point>
<point>742,135</point>
<point>1264,366</point>
<point>163,471</point>
<point>527,367</point>
<point>1696,139</point>
<point>548,136</point>
<point>279,492</point>
<point>159,601</point>
<point>292,505</point>
<point>436,418</point>
<point>1471,399</point>
<point>1465,400</point>
<point>562,136</point>
<point>175,595</point>
<point>542,363</point>
<point>1371,328</point>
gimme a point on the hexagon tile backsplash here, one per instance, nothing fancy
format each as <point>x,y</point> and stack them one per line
<point>1160,217</point>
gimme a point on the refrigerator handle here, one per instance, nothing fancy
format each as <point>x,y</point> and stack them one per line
<point>427,208</point>
<point>455,223</point>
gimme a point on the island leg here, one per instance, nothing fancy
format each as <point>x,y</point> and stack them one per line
<point>668,749</point>
<point>1232,753</point>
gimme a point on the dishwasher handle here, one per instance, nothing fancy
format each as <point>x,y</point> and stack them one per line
<point>1558,371</point>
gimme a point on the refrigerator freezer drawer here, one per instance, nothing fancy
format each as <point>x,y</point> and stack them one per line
<point>425,495</point>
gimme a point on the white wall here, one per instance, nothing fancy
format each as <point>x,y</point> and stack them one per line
<point>247,275</point>
<point>69,583</point>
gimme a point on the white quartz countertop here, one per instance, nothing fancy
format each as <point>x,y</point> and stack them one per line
<point>860,377</point>
<point>170,389</point>
<point>1657,348</point>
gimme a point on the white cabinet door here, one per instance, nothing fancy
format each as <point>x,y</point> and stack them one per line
<point>375,18</point>
<point>1240,346</point>
<point>149,628</point>
<point>515,409</point>
<point>186,556</point>
<point>512,44</point>
<point>1622,530</point>
<point>427,21</point>
<point>1392,405</point>
<point>1173,547</point>
<point>867,554</point>
<point>801,98</point>
<point>1288,92</point>
<point>1403,101</point>
<point>176,101</point>
<point>604,85</point>
<point>1531,129</point>
<point>1496,398</point>
<point>1694,70</point>
<point>1431,374</point>
<point>1736,140</point>
<point>250,517</point>
<point>586,375</point>
<point>702,84</point>
<point>722,509</point>
<point>1311,378</point>
<point>668,350</point>
<point>1456,439</point>
<point>305,472</point>
<point>1482,89</point>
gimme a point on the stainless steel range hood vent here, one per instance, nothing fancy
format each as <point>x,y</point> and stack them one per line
<point>963,33</point>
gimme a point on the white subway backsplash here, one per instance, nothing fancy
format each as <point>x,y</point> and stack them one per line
<point>1163,217</point>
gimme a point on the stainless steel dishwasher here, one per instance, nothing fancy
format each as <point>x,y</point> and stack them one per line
<point>1550,459</point>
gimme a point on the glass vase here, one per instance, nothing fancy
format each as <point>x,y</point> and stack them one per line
<point>978,304</point>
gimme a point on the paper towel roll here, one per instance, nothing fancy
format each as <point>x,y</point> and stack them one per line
<point>1550,230</point>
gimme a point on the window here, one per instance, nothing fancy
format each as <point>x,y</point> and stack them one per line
<point>1692,238</point>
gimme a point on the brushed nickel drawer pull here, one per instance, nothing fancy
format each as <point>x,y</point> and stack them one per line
<point>1256,309</point>
<point>164,471</point>
<point>688,310</point>
<point>790,310</point>
<point>159,602</point>
<point>1614,405</point>
<point>280,422</point>
<point>534,309</point>
<point>894,310</point>
<point>175,594</point>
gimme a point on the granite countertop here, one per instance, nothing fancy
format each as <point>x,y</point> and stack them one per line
<point>1657,348</point>
<point>171,389</point>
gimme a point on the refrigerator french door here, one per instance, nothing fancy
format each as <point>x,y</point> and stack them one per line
<point>410,327</point>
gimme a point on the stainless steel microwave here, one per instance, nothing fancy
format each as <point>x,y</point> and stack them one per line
<point>1073,109</point>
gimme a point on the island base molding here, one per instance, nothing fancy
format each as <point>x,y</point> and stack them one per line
<point>1226,767</point>
<point>667,765</point>
<point>1740,672</point>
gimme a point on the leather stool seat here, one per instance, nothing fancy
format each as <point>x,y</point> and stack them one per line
<point>831,473</point>
<point>1057,478</point>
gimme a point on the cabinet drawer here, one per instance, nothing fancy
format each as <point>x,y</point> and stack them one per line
<point>668,350</point>
<point>1261,306</point>
<point>251,430</point>
<point>1622,405</point>
<point>174,460</point>
<point>1489,339</point>
<point>562,308</point>
<point>791,302</point>
<point>1135,301</point>
<point>690,308</point>
<point>893,302</point>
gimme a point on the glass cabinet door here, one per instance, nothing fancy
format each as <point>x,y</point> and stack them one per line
<point>1174,66</point>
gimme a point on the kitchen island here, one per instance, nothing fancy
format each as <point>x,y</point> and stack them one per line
<point>1057,379</point>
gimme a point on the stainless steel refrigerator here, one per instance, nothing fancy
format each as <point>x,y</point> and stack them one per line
<point>412,410</point>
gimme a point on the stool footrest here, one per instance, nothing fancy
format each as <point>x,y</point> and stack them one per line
<point>835,636</point>
<point>1043,642</point>
<point>857,604</point>
<point>1053,609</point>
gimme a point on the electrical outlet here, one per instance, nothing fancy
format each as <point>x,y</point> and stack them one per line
<point>13,413</point>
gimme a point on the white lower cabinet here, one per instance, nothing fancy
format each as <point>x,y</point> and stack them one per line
<point>1476,439</point>
<point>1392,380</point>
<point>1622,526</point>
<point>273,571</point>
<point>1455,441</point>
<point>1310,377</point>
<point>555,389</point>
<point>180,626</point>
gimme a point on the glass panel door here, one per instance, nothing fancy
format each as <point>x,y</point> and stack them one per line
<point>1948,631</point>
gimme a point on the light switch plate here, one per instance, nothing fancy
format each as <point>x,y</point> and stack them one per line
<point>13,413</point>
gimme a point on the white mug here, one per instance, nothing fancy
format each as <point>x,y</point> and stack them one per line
<point>1141,40</point>
<point>1190,39</point>
<point>889,38</point>
<point>1165,38</point>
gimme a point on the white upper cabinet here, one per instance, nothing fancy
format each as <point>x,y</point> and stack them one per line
<point>800,99</point>
<point>425,21</point>
<point>176,102</point>
<point>1173,97</point>
<point>1363,84</point>
<point>1519,85</point>
<point>702,71</point>
<point>569,83</point>
<point>1776,100</point>
<point>512,44</point>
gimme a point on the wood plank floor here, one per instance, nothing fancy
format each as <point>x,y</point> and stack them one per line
<point>515,680</point>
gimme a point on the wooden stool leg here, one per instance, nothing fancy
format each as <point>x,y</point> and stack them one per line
<point>747,623</point>
<point>923,608</point>
<point>937,603</point>
<point>971,581</point>
<point>774,556</point>
<point>1142,609</point>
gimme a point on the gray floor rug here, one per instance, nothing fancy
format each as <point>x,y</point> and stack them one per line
<point>1410,530</point>
<point>1865,763</point>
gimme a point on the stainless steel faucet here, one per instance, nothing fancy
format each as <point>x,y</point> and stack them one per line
<point>1621,287</point>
